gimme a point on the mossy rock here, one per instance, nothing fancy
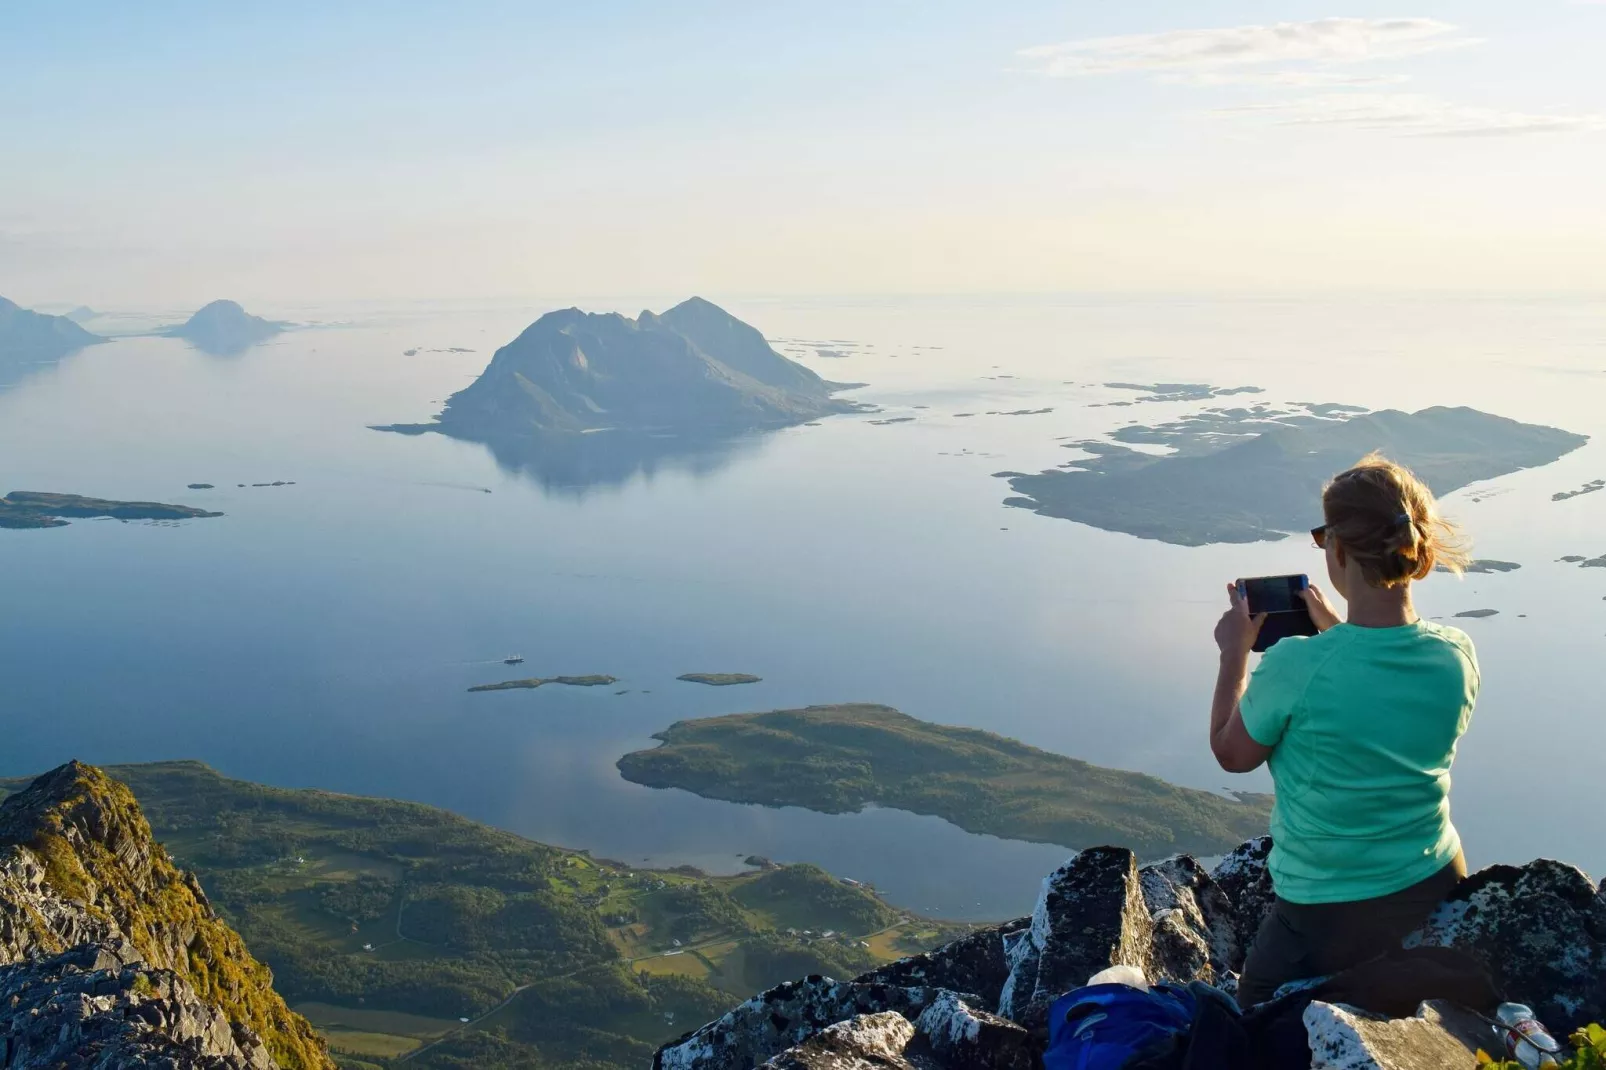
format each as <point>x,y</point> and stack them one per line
<point>97,849</point>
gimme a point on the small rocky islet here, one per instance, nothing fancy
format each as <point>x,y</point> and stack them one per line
<point>720,679</point>
<point>533,682</point>
<point>40,509</point>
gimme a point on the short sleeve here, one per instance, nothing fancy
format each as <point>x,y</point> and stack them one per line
<point>1275,691</point>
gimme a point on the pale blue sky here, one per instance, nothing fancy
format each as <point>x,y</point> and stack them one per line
<point>172,152</point>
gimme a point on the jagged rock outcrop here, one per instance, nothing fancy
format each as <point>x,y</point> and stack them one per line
<point>868,1042</point>
<point>1090,915</point>
<point>957,1034</point>
<point>974,964</point>
<point>91,1007</point>
<point>785,1016</point>
<point>1541,930</point>
<point>1245,880</point>
<point>982,1001</point>
<point>1440,1037</point>
<point>88,898</point>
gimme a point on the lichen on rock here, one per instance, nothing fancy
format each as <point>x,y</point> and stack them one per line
<point>79,868</point>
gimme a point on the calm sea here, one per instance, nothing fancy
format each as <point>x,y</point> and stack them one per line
<point>323,634</point>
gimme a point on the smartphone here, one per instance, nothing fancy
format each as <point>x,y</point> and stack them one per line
<point>1279,598</point>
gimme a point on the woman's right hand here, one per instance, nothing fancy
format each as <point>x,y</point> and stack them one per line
<point>1322,612</point>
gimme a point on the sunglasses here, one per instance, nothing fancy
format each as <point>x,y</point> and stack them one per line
<point>1319,535</point>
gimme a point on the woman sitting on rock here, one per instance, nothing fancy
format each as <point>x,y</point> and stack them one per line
<point>1359,724</point>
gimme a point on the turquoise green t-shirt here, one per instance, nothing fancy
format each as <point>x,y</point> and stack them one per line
<point>1363,723</point>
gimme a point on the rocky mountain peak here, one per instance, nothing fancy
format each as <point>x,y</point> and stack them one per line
<point>982,1002</point>
<point>94,912</point>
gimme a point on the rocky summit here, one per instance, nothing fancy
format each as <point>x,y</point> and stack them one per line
<point>111,956</point>
<point>981,1003</point>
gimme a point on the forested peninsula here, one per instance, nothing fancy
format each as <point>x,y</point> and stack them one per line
<point>840,759</point>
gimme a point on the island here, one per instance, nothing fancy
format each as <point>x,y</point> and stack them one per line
<point>842,758</point>
<point>1588,488</point>
<point>38,509</point>
<point>720,679</point>
<point>1253,474</point>
<point>223,328</point>
<point>1475,613</point>
<point>30,339</point>
<point>580,396</point>
<point>200,486</point>
<point>1182,391</point>
<point>1484,566</point>
<point>538,681</point>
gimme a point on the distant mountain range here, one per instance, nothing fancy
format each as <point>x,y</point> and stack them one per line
<point>224,328</point>
<point>694,370</point>
<point>34,336</point>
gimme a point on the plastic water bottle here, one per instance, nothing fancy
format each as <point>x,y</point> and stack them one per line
<point>1526,1039</point>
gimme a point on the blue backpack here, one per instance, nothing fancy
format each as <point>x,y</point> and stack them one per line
<point>1107,1027</point>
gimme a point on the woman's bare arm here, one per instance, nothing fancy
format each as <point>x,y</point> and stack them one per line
<point>1230,741</point>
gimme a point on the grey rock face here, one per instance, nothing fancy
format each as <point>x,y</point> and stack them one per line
<point>959,1035</point>
<point>974,964</point>
<point>1246,882</point>
<point>868,1042</point>
<point>110,956</point>
<point>33,919</point>
<point>1090,915</point>
<point>784,1017</point>
<point>1540,928</point>
<point>1195,926</point>
<point>91,1008</point>
<point>1438,1038</point>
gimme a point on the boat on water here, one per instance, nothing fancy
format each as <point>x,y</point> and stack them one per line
<point>513,659</point>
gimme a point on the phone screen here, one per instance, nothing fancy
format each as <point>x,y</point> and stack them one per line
<point>1275,594</point>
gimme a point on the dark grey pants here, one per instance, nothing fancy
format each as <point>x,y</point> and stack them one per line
<point>1298,941</point>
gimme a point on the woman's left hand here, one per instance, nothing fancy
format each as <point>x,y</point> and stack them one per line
<point>1237,630</point>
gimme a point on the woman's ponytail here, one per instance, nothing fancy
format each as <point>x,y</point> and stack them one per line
<point>1386,518</point>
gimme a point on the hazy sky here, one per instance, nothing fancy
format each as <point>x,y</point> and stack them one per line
<point>278,152</point>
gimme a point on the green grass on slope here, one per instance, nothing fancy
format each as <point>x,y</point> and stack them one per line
<point>386,922</point>
<point>838,759</point>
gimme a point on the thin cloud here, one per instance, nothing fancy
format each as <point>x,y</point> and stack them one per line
<point>1322,42</point>
<point>1414,115</point>
<point>1286,79</point>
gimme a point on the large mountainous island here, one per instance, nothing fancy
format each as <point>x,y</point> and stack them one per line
<point>224,328</point>
<point>1252,474</point>
<point>31,338</point>
<point>694,371</point>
